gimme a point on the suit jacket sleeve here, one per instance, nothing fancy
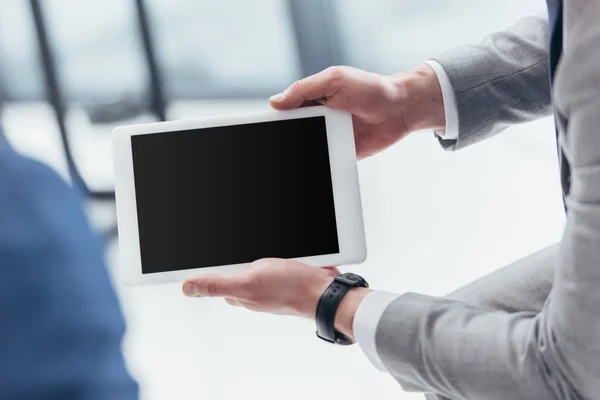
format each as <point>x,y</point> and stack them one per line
<point>501,81</point>
<point>460,352</point>
<point>60,323</point>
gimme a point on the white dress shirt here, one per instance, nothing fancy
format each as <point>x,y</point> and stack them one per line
<point>450,108</point>
<point>372,307</point>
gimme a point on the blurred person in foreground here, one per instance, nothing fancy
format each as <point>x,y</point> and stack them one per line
<point>60,323</point>
<point>528,331</point>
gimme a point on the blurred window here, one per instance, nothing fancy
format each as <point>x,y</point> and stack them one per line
<point>205,48</point>
<point>19,69</point>
<point>389,36</point>
<point>223,48</point>
<point>97,50</point>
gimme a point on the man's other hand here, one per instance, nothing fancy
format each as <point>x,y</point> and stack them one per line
<point>270,285</point>
<point>279,286</point>
<point>385,108</point>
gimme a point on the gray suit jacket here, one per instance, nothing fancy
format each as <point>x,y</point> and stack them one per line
<point>531,331</point>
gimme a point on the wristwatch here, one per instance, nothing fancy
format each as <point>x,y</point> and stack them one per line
<point>328,305</point>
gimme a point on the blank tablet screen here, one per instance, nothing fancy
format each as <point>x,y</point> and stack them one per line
<point>234,194</point>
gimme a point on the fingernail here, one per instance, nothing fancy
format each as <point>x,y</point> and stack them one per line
<point>276,97</point>
<point>189,289</point>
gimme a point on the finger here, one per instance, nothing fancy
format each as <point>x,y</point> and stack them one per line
<point>265,263</point>
<point>312,103</point>
<point>215,286</point>
<point>233,302</point>
<point>316,87</point>
<point>332,270</point>
<point>238,303</point>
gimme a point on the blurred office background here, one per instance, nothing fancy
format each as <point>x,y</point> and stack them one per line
<point>72,70</point>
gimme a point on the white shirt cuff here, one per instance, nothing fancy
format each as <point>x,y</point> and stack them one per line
<point>365,324</point>
<point>450,107</point>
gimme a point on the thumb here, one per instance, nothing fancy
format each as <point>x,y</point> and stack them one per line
<point>214,286</point>
<point>315,87</point>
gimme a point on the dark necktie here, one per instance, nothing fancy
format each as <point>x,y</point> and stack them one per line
<point>555,12</point>
<point>555,20</point>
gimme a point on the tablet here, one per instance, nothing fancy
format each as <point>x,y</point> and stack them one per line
<point>215,194</point>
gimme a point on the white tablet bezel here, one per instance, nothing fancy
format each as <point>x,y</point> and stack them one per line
<point>344,176</point>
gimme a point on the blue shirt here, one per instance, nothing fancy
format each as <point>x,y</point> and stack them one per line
<point>60,323</point>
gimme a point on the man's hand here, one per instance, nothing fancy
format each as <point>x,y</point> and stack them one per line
<point>279,287</point>
<point>385,108</point>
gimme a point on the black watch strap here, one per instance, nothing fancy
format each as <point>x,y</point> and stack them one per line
<point>329,303</point>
